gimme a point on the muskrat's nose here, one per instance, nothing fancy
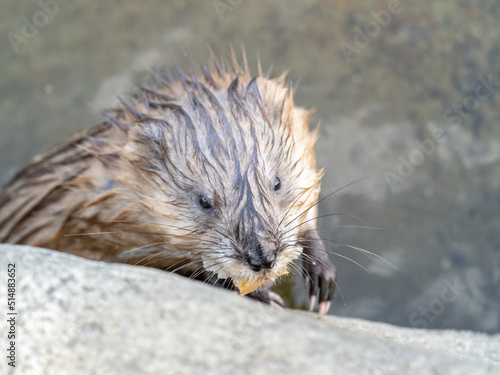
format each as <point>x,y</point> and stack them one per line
<point>269,260</point>
<point>255,264</point>
<point>257,259</point>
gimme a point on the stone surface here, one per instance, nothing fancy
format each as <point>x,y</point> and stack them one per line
<point>83,317</point>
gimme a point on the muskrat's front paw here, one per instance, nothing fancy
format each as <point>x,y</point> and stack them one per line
<point>320,278</point>
<point>268,297</point>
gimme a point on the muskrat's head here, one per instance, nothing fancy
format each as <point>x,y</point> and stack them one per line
<point>228,171</point>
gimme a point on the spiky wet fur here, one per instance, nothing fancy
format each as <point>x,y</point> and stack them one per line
<point>127,190</point>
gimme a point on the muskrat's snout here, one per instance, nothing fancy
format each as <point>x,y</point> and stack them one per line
<point>258,259</point>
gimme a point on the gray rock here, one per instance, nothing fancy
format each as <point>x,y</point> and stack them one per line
<point>77,316</point>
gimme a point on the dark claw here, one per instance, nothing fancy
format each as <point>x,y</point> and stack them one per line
<point>268,297</point>
<point>319,272</point>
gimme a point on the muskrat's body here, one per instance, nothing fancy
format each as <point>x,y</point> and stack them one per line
<point>211,175</point>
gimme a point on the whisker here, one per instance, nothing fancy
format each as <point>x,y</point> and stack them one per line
<point>226,236</point>
<point>314,261</point>
<point>322,216</point>
<point>197,273</point>
<point>349,259</point>
<point>219,263</point>
<point>151,256</point>
<point>192,262</point>
<point>326,197</point>
<point>357,226</point>
<point>88,234</point>
<point>180,252</point>
<point>364,251</point>
<point>226,281</point>
<point>371,255</point>
<point>182,266</point>
<point>292,206</point>
<point>209,277</point>
<point>287,234</point>
<point>157,224</point>
<point>142,247</point>
<point>146,233</point>
<point>302,271</point>
<point>170,254</point>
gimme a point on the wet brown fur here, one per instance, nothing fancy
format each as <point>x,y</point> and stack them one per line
<point>127,190</point>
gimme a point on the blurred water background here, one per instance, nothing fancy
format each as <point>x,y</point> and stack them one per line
<point>407,94</point>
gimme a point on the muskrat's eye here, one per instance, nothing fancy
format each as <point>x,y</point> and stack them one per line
<point>277,184</point>
<point>204,202</point>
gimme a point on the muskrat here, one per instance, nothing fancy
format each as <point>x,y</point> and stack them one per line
<point>211,175</point>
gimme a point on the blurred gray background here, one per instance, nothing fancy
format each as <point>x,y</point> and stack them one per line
<point>406,93</point>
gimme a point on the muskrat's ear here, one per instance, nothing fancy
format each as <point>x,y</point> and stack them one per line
<point>319,272</point>
<point>252,90</point>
